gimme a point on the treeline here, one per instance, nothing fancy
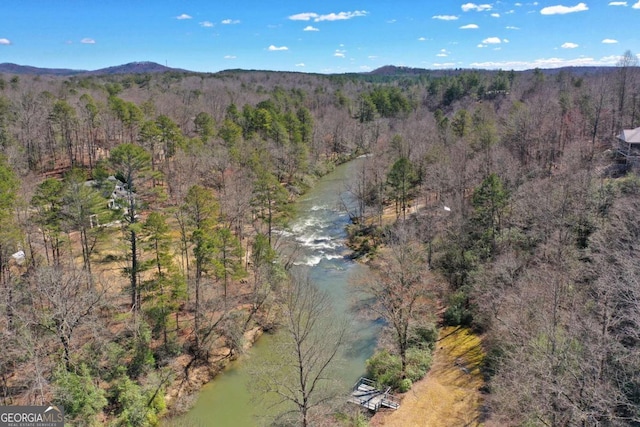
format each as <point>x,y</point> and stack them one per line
<point>137,217</point>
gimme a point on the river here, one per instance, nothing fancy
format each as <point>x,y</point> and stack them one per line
<point>319,231</point>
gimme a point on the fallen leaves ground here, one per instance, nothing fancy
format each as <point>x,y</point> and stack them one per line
<point>449,395</point>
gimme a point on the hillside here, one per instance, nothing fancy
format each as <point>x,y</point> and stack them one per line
<point>9,68</point>
<point>130,68</point>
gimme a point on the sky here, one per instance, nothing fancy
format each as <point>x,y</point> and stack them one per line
<point>331,36</point>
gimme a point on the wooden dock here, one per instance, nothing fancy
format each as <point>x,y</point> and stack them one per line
<point>365,394</point>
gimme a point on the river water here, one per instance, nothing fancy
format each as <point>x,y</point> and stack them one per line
<point>318,230</point>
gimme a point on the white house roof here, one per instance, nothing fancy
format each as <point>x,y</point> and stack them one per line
<point>631,136</point>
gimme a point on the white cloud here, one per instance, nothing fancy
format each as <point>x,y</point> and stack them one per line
<point>511,27</point>
<point>307,16</point>
<point>229,57</point>
<point>273,48</point>
<point>230,21</point>
<point>548,63</point>
<point>495,15</point>
<point>310,28</point>
<point>5,42</point>
<point>617,3</point>
<point>372,57</point>
<point>445,17</point>
<point>492,40</point>
<point>609,41</point>
<point>561,10</point>
<point>569,45</point>
<point>88,40</point>
<point>444,64</point>
<point>392,21</point>
<point>480,45</point>
<point>206,24</point>
<point>469,27</point>
<point>340,53</point>
<point>443,53</point>
<point>422,39</point>
<point>340,16</point>
<point>636,6</point>
<point>477,7</point>
<point>301,64</point>
<point>183,16</point>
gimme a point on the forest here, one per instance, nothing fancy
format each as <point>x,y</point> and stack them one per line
<point>138,216</point>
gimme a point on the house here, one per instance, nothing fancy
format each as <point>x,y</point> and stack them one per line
<point>19,257</point>
<point>116,193</point>
<point>629,144</point>
<point>120,197</point>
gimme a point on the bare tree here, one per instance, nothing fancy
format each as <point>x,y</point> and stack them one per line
<point>627,66</point>
<point>65,299</point>
<point>296,379</point>
<point>398,291</point>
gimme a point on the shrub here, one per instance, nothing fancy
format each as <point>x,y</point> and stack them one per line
<point>457,313</point>
<point>79,395</point>
<point>385,369</point>
<point>424,337</point>
<point>405,385</point>
<point>418,363</point>
<point>129,403</point>
<point>143,360</point>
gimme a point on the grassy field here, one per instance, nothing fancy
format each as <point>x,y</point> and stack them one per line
<point>450,394</point>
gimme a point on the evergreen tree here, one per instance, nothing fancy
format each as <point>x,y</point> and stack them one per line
<point>132,163</point>
<point>401,178</point>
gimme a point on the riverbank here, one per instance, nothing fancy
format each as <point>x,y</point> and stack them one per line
<point>181,394</point>
<point>450,393</point>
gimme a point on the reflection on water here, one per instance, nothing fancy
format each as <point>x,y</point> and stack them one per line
<point>317,237</point>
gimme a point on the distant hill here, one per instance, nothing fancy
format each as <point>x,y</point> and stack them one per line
<point>145,67</point>
<point>392,70</point>
<point>9,68</point>
<point>395,71</point>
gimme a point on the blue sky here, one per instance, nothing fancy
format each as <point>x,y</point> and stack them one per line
<point>321,37</point>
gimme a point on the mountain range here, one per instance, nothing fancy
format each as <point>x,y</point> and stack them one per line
<point>147,67</point>
<point>144,67</point>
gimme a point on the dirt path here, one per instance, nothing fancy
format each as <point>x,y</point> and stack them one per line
<point>449,395</point>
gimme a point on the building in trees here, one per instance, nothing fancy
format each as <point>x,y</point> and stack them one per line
<point>629,144</point>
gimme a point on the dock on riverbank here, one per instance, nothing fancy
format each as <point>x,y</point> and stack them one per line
<point>365,394</point>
